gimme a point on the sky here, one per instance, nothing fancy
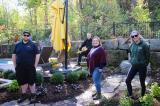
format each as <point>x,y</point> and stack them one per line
<point>13,4</point>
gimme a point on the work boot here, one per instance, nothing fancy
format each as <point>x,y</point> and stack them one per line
<point>98,96</point>
<point>33,98</point>
<point>22,98</point>
<point>94,94</point>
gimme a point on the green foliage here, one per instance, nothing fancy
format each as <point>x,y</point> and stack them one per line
<point>6,73</point>
<point>147,100</point>
<point>72,77</point>
<point>126,101</point>
<point>12,76</point>
<point>139,13</point>
<point>155,90</point>
<point>83,74</point>
<point>39,78</point>
<point>13,87</point>
<point>1,73</point>
<point>57,78</point>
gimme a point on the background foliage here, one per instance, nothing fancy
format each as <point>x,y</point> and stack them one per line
<point>96,16</point>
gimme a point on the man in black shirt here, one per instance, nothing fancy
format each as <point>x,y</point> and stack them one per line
<point>85,48</point>
<point>25,59</point>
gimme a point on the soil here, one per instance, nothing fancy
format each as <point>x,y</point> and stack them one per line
<point>68,92</point>
<point>52,95</point>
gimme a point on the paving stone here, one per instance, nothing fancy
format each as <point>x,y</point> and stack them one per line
<point>110,86</point>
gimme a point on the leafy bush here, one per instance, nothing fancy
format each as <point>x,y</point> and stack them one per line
<point>73,77</point>
<point>155,90</point>
<point>1,74</point>
<point>12,76</point>
<point>39,78</point>
<point>126,101</point>
<point>83,74</point>
<point>147,100</point>
<point>6,73</point>
<point>57,78</point>
<point>53,60</point>
<point>13,87</point>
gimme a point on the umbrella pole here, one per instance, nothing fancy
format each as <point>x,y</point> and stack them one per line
<point>66,34</point>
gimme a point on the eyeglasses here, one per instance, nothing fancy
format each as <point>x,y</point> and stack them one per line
<point>26,35</point>
<point>134,36</point>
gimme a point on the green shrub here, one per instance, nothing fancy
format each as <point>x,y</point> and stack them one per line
<point>126,101</point>
<point>147,100</point>
<point>13,87</point>
<point>155,90</point>
<point>6,73</point>
<point>57,78</point>
<point>12,76</point>
<point>1,74</point>
<point>73,77</point>
<point>39,78</point>
<point>83,74</point>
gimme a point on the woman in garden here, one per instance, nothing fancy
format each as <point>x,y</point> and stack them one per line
<point>96,60</point>
<point>139,58</point>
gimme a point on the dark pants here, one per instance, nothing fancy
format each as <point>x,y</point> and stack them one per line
<point>142,76</point>
<point>80,56</point>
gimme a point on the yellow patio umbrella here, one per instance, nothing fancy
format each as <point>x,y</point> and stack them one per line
<point>58,26</point>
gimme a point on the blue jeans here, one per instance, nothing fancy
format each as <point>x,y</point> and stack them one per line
<point>96,76</point>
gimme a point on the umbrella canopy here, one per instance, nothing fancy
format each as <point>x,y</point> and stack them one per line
<point>58,26</point>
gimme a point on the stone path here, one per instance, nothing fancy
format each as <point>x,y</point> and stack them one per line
<point>110,86</point>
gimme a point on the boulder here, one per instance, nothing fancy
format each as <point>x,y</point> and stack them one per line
<point>154,44</point>
<point>111,44</point>
<point>122,44</point>
<point>125,66</point>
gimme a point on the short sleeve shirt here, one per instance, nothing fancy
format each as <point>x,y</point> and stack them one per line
<point>25,53</point>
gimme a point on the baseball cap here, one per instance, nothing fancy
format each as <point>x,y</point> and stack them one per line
<point>133,33</point>
<point>26,32</point>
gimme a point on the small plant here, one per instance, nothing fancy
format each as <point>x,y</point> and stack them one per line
<point>12,76</point>
<point>147,100</point>
<point>57,78</point>
<point>6,73</point>
<point>39,78</point>
<point>126,101</point>
<point>73,77</point>
<point>1,74</point>
<point>53,60</point>
<point>155,90</point>
<point>83,74</point>
<point>13,87</point>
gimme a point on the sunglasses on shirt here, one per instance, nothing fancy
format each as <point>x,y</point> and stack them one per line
<point>26,35</point>
<point>134,36</point>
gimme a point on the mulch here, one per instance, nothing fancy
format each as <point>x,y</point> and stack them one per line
<point>52,95</point>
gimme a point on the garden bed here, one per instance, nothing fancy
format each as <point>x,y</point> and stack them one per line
<point>52,95</point>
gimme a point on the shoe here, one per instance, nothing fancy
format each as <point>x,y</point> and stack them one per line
<point>94,94</point>
<point>22,98</point>
<point>98,96</point>
<point>33,98</point>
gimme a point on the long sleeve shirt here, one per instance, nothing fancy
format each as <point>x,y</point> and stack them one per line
<point>96,58</point>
